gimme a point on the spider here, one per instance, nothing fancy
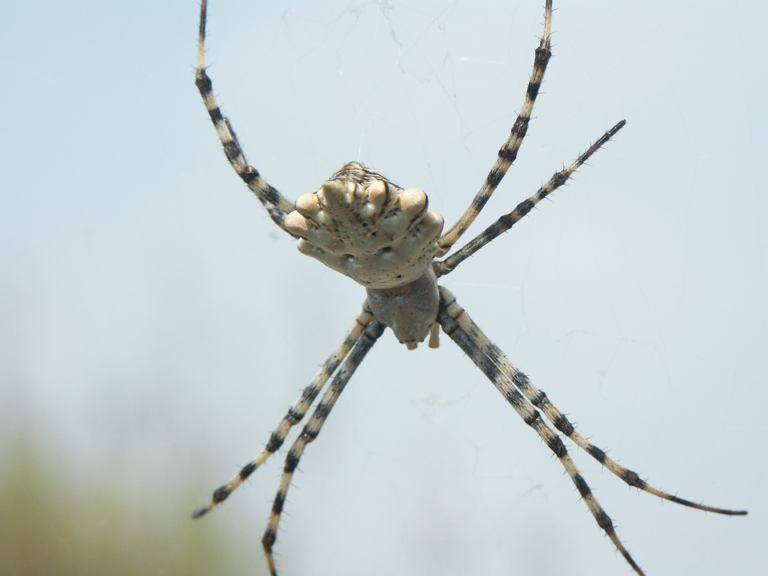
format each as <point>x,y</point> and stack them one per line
<point>384,237</point>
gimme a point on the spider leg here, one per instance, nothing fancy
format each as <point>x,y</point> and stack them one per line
<point>540,400</point>
<point>294,415</point>
<point>508,152</point>
<point>312,428</point>
<point>449,316</point>
<point>275,203</point>
<point>508,220</point>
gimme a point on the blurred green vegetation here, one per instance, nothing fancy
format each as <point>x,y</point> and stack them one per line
<point>57,524</point>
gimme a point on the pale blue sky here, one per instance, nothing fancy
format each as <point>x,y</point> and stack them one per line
<point>156,325</point>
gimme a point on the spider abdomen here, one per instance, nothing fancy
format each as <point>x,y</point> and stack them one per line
<point>364,226</point>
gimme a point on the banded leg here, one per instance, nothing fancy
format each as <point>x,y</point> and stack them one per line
<point>540,400</point>
<point>294,416</point>
<point>312,429</point>
<point>450,314</point>
<point>508,220</point>
<point>508,152</point>
<point>275,203</point>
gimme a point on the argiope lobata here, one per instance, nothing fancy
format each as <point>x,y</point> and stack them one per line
<point>384,237</point>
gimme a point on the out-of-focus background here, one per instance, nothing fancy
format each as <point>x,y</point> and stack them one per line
<point>155,326</point>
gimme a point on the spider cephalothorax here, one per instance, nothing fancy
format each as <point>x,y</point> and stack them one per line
<point>385,238</point>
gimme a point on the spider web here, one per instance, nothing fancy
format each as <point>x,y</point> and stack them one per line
<point>426,95</point>
<point>153,330</point>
